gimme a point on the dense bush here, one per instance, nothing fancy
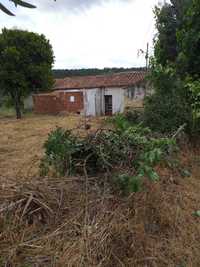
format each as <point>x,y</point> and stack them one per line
<point>134,116</point>
<point>130,150</point>
<point>194,89</point>
<point>168,108</point>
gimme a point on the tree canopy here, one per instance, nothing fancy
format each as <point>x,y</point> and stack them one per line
<point>188,38</point>
<point>169,21</point>
<point>165,42</point>
<point>26,60</point>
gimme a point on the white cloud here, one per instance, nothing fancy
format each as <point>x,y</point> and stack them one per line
<point>95,35</point>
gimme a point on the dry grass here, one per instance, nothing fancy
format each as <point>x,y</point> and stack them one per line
<point>81,221</point>
<point>52,222</point>
<point>21,142</point>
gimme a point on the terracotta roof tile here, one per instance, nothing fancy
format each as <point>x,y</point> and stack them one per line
<point>122,79</point>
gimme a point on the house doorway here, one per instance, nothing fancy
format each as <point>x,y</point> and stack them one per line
<point>108,105</point>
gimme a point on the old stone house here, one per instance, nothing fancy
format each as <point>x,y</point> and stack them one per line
<point>94,95</point>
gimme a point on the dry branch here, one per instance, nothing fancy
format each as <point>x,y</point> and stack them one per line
<point>13,205</point>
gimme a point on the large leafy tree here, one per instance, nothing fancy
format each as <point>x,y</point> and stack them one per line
<point>26,60</point>
<point>169,20</point>
<point>170,106</point>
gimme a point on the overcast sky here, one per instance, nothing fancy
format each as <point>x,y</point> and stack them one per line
<point>89,33</point>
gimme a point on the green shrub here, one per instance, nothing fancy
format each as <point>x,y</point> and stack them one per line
<point>119,121</point>
<point>166,114</point>
<point>193,86</point>
<point>127,119</point>
<point>134,116</point>
<point>168,108</point>
<point>61,149</point>
<point>127,183</point>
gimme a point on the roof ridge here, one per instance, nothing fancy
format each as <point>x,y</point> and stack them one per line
<point>104,75</point>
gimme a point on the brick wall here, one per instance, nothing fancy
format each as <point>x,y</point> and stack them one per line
<point>69,106</point>
<point>59,102</point>
<point>46,104</point>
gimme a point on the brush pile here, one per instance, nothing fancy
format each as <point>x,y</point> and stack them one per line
<point>131,150</point>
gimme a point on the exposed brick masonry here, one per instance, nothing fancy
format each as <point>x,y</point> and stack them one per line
<point>56,103</point>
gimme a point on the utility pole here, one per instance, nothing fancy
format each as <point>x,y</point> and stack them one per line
<point>147,57</point>
<point>146,53</point>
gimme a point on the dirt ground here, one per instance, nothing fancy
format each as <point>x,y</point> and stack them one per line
<point>21,141</point>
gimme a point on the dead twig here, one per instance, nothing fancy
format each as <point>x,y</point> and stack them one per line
<point>26,206</point>
<point>180,129</point>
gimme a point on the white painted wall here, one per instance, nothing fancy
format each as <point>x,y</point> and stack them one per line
<point>99,101</point>
<point>90,101</point>
<point>94,100</point>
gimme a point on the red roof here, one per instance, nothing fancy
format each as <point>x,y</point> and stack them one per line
<point>122,79</point>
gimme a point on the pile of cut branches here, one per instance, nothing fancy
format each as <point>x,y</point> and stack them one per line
<point>131,149</point>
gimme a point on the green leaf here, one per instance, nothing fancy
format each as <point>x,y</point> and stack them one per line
<point>197,213</point>
<point>135,184</point>
<point>153,176</point>
<point>24,4</point>
<point>5,10</point>
<point>185,173</point>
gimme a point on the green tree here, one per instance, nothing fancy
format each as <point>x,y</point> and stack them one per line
<point>169,20</point>
<point>188,37</point>
<point>165,48</point>
<point>170,106</point>
<point>26,60</point>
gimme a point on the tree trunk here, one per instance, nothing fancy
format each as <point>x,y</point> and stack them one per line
<point>17,106</point>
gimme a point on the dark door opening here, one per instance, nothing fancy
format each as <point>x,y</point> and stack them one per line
<point>108,105</point>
